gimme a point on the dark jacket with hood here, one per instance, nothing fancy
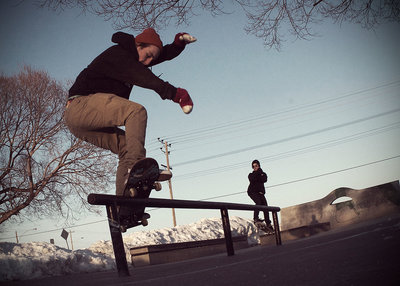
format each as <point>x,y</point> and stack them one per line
<point>118,69</point>
<point>257,180</point>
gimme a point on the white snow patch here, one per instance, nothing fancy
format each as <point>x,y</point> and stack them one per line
<point>39,259</point>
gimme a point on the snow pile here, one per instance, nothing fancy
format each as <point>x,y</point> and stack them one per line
<point>39,259</point>
<point>202,230</point>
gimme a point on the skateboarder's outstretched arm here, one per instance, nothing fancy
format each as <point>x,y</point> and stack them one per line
<point>171,51</point>
<point>132,66</point>
<point>174,49</point>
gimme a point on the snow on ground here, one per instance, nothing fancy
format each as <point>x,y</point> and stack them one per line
<point>40,259</point>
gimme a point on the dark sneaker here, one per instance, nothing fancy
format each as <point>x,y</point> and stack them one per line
<point>258,220</point>
<point>269,227</point>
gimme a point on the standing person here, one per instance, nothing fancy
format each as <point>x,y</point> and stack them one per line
<point>98,102</point>
<point>256,191</point>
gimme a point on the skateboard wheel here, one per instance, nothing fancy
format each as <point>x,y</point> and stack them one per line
<point>157,186</point>
<point>145,222</point>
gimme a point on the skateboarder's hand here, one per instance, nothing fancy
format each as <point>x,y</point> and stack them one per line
<point>181,39</point>
<point>183,98</point>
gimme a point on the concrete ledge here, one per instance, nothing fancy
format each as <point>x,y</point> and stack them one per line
<point>165,253</point>
<point>296,233</point>
<point>361,205</point>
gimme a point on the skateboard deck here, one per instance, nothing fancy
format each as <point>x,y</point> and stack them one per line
<point>263,227</point>
<point>143,178</point>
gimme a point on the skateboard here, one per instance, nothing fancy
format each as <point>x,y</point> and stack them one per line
<point>143,178</point>
<point>265,228</point>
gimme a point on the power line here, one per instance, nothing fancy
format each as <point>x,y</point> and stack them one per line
<point>53,230</point>
<point>258,128</point>
<point>287,139</point>
<point>257,124</point>
<point>191,135</point>
<point>291,153</point>
<point>309,178</point>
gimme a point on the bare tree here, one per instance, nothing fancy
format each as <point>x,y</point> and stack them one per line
<point>44,170</point>
<point>267,19</point>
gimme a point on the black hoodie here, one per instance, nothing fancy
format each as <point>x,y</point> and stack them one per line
<point>257,180</point>
<point>118,69</point>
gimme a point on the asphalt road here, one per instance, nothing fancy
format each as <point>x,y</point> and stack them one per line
<point>363,254</point>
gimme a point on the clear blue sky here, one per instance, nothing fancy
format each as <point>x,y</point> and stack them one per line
<point>313,113</point>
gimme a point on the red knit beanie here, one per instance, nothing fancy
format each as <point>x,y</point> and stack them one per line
<point>149,36</point>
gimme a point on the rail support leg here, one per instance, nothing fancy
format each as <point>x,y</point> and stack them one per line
<point>276,227</point>
<point>118,243</point>
<point>227,232</point>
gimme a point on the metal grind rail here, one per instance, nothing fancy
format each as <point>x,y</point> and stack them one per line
<point>112,202</point>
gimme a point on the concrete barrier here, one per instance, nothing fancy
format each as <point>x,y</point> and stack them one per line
<point>165,253</point>
<point>361,205</point>
<point>296,233</point>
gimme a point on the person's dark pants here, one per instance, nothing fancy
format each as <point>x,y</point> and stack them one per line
<point>260,199</point>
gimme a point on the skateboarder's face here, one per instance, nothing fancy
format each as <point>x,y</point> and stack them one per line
<point>255,167</point>
<point>148,54</point>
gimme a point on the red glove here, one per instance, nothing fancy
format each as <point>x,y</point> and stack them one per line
<point>181,39</point>
<point>183,98</point>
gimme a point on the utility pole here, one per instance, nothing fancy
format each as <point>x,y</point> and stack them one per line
<point>169,181</point>
<point>72,244</point>
<point>16,233</point>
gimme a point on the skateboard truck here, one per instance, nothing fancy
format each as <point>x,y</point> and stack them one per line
<point>132,221</point>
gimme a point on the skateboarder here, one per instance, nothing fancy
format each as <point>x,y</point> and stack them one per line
<point>256,191</point>
<point>98,102</point>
